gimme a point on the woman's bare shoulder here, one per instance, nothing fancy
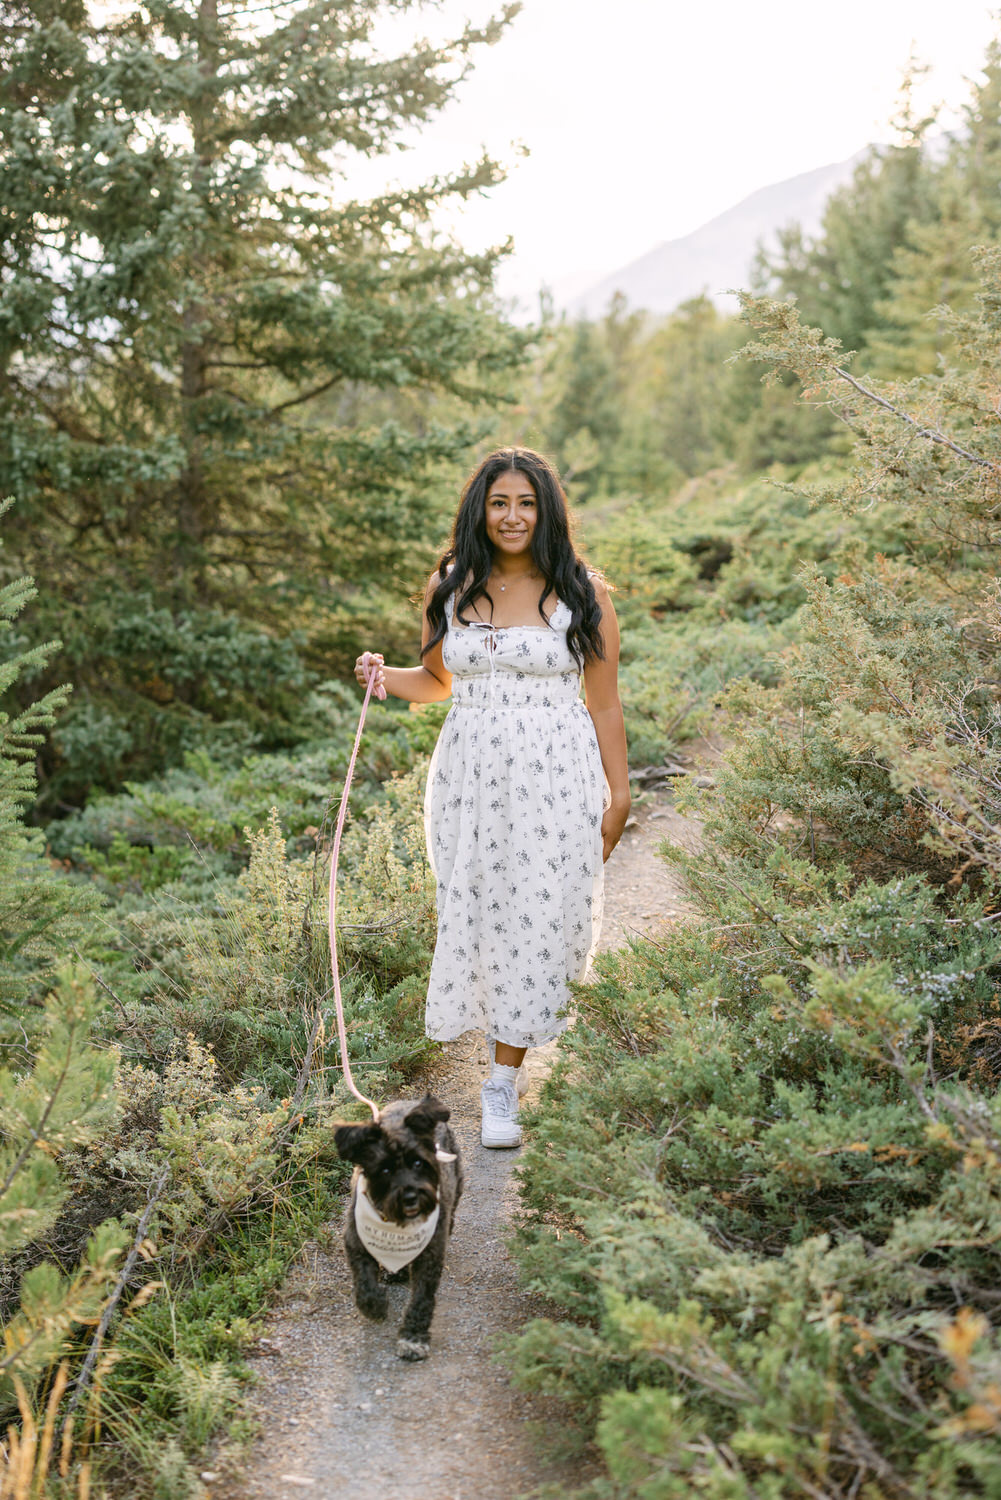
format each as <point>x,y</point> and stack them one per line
<point>601,586</point>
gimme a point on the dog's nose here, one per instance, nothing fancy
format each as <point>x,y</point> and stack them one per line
<point>410,1197</point>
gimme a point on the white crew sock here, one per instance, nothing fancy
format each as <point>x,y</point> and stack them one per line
<point>501,1073</point>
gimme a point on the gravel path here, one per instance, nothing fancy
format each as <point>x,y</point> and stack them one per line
<point>341,1414</point>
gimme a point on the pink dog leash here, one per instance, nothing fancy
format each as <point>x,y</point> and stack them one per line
<point>372,672</point>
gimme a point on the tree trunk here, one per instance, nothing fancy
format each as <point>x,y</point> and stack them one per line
<point>193,500</point>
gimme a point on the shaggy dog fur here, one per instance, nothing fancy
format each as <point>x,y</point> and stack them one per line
<point>404,1160</point>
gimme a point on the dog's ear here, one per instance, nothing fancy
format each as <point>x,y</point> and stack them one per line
<point>423,1118</point>
<point>356,1142</point>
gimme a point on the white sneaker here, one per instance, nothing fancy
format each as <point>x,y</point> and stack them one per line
<point>500,1125</point>
<point>521,1083</point>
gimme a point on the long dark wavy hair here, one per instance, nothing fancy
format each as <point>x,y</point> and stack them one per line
<point>470,555</point>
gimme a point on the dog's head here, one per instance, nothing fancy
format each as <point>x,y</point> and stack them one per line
<point>399,1157</point>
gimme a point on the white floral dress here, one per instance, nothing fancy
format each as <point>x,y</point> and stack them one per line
<point>513,809</point>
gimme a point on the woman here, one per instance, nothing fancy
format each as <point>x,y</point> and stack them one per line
<point>518,820</point>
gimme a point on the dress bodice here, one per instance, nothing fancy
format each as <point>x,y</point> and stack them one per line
<point>511,666</point>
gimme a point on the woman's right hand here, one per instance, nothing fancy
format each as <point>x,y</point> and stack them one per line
<point>363,667</point>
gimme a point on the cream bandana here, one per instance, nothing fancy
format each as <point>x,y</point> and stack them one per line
<point>392,1245</point>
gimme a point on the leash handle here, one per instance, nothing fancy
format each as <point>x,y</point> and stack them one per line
<point>372,664</point>
<point>372,672</point>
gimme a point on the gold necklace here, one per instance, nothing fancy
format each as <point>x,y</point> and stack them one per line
<point>503,586</point>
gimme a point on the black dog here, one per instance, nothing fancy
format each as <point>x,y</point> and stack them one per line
<point>406,1186</point>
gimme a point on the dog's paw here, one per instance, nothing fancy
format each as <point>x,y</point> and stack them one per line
<point>374,1305</point>
<point>411,1349</point>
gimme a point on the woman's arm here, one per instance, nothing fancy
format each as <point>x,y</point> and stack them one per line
<point>429,683</point>
<point>601,693</point>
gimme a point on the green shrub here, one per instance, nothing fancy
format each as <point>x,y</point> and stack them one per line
<point>220,1140</point>
<point>208,803</point>
<point>710,587</point>
<point>764,1188</point>
<point>764,1199</point>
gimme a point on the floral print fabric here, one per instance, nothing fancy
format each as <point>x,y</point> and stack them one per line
<point>513,808</point>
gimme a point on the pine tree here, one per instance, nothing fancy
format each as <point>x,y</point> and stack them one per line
<point>586,419</point>
<point>935,267</point>
<point>40,914</point>
<point>188,291</point>
<point>977,148</point>
<point>682,365</point>
<point>839,279</point>
<point>65,1098</point>
<point>933,270</point>
<point>56,1087</point>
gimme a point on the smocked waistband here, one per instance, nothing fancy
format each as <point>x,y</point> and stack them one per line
<point>500,692</point>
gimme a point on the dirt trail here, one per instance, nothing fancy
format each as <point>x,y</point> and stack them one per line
<point>341,1414</point>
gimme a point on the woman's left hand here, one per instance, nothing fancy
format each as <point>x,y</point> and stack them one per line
<point>612,825</point>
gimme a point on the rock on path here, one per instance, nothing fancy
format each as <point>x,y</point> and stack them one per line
<point>341,1415</point>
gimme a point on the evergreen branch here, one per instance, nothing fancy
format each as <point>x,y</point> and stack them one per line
<point>317,390</point>
<point>306,1069</point>
<point>101,983</point>
<point>931,433</point>
<point>16,1356</point>
<point>71,424</point>
<point>237,364</point>
<point>83,1379</point>
<point>727,880</point>
<point>36,1133</point>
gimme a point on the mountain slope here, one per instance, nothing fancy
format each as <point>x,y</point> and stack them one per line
<point>718,255</point>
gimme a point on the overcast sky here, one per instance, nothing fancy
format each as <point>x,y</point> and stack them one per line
<point>645,118</point>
